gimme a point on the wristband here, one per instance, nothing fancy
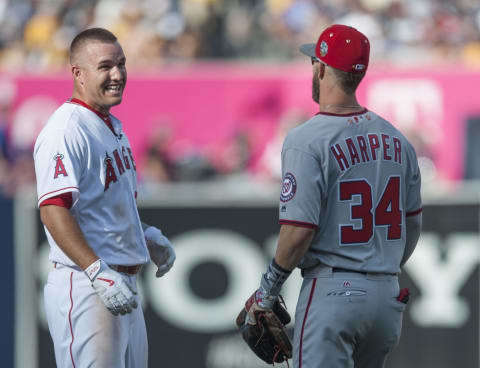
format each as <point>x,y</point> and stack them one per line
<point>271,284</point>
<point>93,270</point>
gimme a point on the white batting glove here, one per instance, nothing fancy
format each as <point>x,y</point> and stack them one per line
<point>115,292</point>
<point>161,250</point>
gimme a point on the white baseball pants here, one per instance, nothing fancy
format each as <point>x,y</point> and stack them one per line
<point>84,333</point>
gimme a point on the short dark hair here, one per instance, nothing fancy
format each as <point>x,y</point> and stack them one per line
<point>95,34</point>
<point>348,81</point>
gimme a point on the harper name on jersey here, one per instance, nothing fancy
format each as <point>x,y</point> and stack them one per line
<point>363,148</point>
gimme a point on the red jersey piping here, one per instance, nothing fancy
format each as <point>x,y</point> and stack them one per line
<point>105,117</point>
<point>310,298</point>
<point>53,191</point>
<point>62,200</point>
<point>413,213</point>
<point>70,318</point>
<point>298,223</point>
<point>84,104</point>
<point>342,115</point>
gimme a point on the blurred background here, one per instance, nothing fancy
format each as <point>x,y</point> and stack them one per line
<point>214,86</point>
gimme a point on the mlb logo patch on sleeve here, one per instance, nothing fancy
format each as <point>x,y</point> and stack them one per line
<point>289,187</point>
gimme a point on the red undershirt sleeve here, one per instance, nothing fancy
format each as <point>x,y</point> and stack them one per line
<point>62,200</point>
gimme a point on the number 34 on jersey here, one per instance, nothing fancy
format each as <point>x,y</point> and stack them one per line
<point>387,211</point>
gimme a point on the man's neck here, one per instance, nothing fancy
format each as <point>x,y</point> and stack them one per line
<point>338,102</point>
<point>101,109</point>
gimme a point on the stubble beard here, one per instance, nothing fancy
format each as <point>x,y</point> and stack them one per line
<point>315,87</point>
<point>109,100</point>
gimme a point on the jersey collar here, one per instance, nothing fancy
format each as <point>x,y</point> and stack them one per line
<point>80,102</point>
<point>105,117</point>
<point>350,114</point>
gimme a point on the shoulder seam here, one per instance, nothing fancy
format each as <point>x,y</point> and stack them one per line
<point>67,120</point>
<point>302,151</point>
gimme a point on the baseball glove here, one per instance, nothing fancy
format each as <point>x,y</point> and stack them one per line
<point>264,330</point>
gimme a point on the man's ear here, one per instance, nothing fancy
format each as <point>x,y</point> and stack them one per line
<point>77,74</point>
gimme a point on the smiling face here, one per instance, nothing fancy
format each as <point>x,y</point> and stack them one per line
<point>100,74</point>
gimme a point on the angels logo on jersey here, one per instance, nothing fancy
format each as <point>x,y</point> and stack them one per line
<point>121,162</point>
<point>289,187</point>
<point>59,166</point>
<point>110,175</point>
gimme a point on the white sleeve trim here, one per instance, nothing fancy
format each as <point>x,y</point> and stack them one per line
<point>54,193</point>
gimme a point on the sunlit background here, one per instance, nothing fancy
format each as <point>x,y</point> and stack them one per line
<point>213,88</point>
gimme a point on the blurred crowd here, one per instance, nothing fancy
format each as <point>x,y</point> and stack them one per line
<point>16,162</point>
<point>35,34</point>
<point>242,156</point>
<point>239,159</point>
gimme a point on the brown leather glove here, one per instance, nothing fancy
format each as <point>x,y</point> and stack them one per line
<point>264,330</point>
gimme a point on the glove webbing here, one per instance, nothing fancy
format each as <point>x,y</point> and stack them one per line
<point>278,350</point>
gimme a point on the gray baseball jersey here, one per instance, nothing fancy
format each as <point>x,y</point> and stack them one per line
<point>355,178</point>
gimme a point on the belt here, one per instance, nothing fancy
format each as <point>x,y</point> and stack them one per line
<point>129,270</point>
<point>339,269</point>
<point>321,270</point>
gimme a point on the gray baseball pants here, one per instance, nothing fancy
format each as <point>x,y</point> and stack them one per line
<point>346,319</point>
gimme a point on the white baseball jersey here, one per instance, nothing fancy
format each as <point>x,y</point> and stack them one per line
<point>77,152</point>
<point>354,178</point>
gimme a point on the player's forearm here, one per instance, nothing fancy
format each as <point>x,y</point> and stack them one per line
<point>293,243</point>
<point>67,234</point>
<point>414,226</point>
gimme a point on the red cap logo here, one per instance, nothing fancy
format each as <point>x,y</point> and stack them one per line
<point>323,48</point>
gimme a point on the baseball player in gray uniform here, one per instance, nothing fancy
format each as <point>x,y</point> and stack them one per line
<point>350,215</point>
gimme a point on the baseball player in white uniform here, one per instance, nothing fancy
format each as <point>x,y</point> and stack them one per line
<point>350,215</point>
<point>87,188</point>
